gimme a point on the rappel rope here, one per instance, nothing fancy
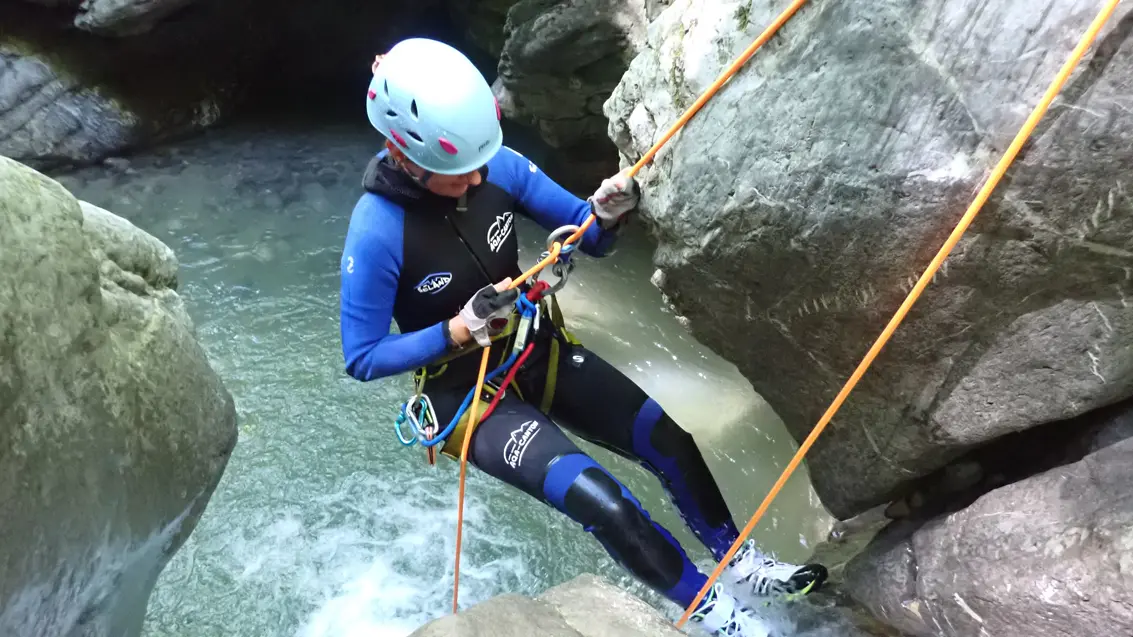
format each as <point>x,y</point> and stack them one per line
<point>556,248</point>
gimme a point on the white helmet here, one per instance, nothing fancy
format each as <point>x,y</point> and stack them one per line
<point>432,102</point>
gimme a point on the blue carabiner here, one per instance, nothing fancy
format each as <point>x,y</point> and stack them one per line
<point>401,419</point>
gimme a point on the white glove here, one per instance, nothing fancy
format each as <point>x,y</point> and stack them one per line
<point>615,197</point>
<point>486,313</point>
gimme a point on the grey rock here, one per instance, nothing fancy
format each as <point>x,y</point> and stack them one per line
<point>1048,556</point>
<point>583,607</point>
<point>64,98</point>
<point>125,17</point>
<point>48,116</point>
<point>57,3</point>
<point>796,210</point>
<point>114,429</point>
<point>117,17</point>
<point>560,62</point>
<point>502,616</point>
<point>595,608</point>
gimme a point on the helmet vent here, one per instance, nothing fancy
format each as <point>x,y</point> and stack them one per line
<point>413,109</point>
<point>385,85</point>
<point>391,113</point>
<point>415,136</point>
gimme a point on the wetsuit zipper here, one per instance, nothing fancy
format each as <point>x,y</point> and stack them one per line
<point>475,258</point>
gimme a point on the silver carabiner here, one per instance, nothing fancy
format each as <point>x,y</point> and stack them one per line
<point>553,238</point>
<point>561,270</point>
<point>523,330</point>
<point>426,415</point>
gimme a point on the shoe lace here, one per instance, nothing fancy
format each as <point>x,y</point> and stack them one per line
<point>752,566</point>
<point>736,625</point>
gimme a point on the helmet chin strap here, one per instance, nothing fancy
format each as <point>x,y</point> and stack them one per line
<point>422,181</point>
<point>400,159</point>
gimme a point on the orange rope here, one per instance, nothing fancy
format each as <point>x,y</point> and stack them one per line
<point>1028,127</point>
<point>557,247</point>
<point>770,31</point>
<point>463,470</point>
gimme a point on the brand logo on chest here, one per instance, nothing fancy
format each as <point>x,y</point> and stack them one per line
<point>499,231</point>
<point>434,283</point>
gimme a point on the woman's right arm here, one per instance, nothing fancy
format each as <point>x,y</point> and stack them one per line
<point>369,275</point>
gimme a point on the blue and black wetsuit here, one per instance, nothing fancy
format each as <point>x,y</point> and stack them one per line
<point>416,258</point>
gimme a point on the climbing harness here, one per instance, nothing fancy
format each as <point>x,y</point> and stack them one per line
<point>417,411</point>
<point>557,249</point>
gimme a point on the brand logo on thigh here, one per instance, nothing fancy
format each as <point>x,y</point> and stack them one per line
<point>517,443</point>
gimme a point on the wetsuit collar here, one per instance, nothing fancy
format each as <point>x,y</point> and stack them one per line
<point>383,177</point>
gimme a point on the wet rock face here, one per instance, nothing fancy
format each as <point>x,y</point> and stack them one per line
<point>796,210</point>
<point>114,429</point>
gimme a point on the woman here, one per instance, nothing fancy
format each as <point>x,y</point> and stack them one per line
<point>431,245</point>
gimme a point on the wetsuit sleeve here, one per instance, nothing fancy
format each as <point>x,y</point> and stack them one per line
<point>548,203</point>
<point>371,262</point>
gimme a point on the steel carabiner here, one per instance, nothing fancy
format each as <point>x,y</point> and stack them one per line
<point>554,237</point>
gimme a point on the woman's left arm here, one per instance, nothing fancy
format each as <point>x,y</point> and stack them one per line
<point>552,206</point>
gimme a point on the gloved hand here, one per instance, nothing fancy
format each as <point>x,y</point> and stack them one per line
<point>487,312</point>
<point>615,197</point>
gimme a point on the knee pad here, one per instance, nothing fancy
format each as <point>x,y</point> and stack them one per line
<point>579,487</point>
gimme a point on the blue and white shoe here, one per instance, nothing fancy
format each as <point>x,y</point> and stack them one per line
<point>765,576</point>
<point>721,615</point>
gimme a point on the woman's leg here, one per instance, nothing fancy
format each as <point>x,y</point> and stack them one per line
<point>602,405</point>
<point>599,403</point>
<point>522,447</point>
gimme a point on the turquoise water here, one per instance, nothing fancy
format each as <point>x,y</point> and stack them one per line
<point>323,524</point>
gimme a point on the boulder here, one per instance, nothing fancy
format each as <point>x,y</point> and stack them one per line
<point>583,607</point>
<point>796,210</point>
<point>114,429</point>
<point>558,64</point>
<point>1049,556</point>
